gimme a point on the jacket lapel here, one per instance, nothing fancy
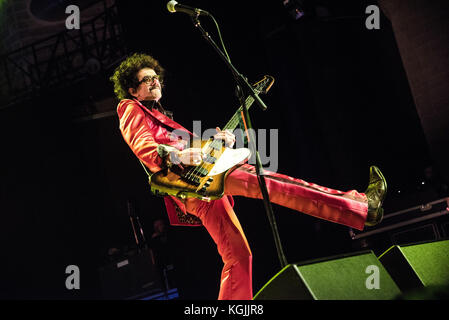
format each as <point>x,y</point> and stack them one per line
<point>163,118</point>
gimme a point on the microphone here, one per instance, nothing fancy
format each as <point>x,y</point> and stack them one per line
<point>174,6</point>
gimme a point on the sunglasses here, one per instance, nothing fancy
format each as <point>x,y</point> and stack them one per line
<point>150,79</point>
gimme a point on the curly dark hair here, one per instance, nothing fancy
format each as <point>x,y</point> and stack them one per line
<point>125,75</point>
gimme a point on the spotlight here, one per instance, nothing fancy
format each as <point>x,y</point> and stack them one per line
<point>295,8</point>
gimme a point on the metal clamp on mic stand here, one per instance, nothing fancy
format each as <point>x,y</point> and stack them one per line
<point>244,86</point>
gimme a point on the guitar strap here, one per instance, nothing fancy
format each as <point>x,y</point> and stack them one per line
<point>155,105</point>
<point>145,168</point>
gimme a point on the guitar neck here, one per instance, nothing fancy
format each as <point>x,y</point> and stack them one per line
<point>235,120</point>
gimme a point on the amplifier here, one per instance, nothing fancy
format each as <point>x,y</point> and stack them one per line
<point>131,277</point>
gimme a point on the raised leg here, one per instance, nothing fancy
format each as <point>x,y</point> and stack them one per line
<point>347,208</point>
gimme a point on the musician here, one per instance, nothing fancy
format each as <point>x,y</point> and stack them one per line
<point>148,130</point>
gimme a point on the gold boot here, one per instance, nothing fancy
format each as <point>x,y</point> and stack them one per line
<point>376,192</point>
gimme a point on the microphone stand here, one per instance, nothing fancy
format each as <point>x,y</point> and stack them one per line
<point>243,85</point>
<point>130,213</point>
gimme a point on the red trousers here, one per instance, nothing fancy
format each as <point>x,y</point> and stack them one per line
<point>218,217</point>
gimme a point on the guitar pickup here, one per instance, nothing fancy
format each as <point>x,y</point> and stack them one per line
<point>210,159</point>
<point>201,171</point>
<point>192,180</point>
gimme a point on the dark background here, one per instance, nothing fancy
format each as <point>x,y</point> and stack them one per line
<point>341,102</point>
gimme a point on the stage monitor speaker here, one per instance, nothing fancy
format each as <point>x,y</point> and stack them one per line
<point>415,266</point>
<point>356,276</point>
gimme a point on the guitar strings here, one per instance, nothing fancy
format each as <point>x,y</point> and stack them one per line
<point>211,146</point>
<point>192,172</point>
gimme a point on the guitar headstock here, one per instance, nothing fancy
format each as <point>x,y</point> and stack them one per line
<point>263,85</point>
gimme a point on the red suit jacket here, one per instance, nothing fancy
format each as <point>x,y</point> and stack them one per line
<point>144,130</point>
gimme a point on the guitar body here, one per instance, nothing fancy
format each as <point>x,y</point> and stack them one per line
<point>206,181</point>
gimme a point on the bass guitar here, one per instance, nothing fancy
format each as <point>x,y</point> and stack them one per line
<point>206,181</point>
